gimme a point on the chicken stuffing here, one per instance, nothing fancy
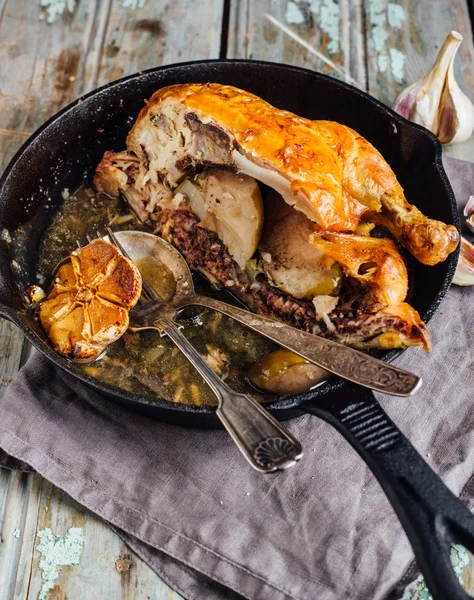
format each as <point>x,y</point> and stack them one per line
<point>87,307</point>
<point>335,186</point>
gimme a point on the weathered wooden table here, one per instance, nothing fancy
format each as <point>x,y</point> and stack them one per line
<point>51,54</point>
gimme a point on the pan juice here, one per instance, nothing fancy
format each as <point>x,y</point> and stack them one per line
<point>145,362</point>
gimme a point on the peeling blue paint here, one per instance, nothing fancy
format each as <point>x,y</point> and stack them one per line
<point>383,15</point>
<point>395,15</point>
<point>460,561</point>
<point>57,553</point>
<point>397,63</point>
<point>133,4</point>
<point>329,23</point>
<point>293,14</point>
<point>56,8</point>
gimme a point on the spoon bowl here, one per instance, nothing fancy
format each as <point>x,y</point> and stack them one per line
<point>146,248</point>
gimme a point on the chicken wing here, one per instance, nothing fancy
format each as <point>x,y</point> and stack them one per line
<point>375,263</point>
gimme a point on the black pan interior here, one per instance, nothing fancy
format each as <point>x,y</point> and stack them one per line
<point>67,149</point>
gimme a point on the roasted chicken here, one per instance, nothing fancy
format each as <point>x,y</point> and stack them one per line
<point>87,307</point>
<point>317,266</point>
<point>323,168</point>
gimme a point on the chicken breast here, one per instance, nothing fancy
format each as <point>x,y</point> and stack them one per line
<point>87,307</point>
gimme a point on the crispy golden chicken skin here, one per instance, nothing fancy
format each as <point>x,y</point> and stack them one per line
<point>322,168</point>
<point>369,178</point>
<point>373,262</point>
<point>87,307</point>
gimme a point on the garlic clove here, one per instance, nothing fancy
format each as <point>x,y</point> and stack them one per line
<point>405,102</point>
<point>469,208</point>
<point>465,270</point>
<point>456,117</point>
<point>470,222</point>
<point>436,101</point>
<point>469,213</point>
<point>427,106</point>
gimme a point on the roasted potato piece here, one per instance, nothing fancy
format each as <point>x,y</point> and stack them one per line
<point>87,307</point>
<point>283,372</point>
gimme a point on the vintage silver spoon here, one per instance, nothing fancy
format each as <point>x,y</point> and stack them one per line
<point>262,440</point>
<point>336,358</point>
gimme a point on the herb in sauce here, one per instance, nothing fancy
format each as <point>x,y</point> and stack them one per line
<point>145,362</point>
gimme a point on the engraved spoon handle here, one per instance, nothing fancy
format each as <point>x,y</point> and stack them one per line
<point>341,360</point>
<point>265,444</point>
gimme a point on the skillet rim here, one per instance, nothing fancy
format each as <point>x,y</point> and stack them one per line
<point>285,402</point>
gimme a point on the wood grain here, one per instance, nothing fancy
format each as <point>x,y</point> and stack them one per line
<point>44,67</point>
<point>19,505</point>
<point>11,343</point>
<point>98,575</point>
<point>253,36</point>
<point>159,33</point>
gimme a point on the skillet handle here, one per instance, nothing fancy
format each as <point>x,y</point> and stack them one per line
<point>432,517</point>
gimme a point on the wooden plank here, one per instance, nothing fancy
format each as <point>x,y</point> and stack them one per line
<point>48,66</point>
<point>43,64</point>
<point>11,343</point>
<point>403,39</point>
<point>156,34</point>
<point>19,498</point>
<point>333,29</point>
<point>107,568</point>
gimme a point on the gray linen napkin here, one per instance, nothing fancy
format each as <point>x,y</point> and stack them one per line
<point>189,505</point>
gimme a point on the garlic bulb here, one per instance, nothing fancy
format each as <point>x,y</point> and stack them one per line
<point>436,101</point>
<point>465,270</point>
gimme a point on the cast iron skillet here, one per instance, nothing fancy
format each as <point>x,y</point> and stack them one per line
<point>68,147</point>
